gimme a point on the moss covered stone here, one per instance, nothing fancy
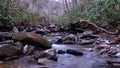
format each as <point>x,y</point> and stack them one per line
<point>32,38</point>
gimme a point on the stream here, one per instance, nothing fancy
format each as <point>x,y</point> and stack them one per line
<point>89,59</point>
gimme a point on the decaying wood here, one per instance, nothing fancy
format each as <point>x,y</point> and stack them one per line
<point>100,27</point>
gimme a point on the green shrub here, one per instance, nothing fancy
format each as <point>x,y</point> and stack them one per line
<point>101,12</point>
<point>11,13</point>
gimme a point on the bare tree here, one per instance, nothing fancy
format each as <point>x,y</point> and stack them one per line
<point>66,5</point>
<point>74,3</point>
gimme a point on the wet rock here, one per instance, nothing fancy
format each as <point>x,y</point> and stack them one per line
<point>113,63</point>
<point>32,38</point>
<point>55,41</point>
<point>19,45</point>
<point>11,58</point>
<point>22,62</point>
<point>6,42</point>
<point>104,45</point>
<point>41,55</point>
<point>113,51</point>
<point>28,49</point>
<point>53,57</point>
<point>88,36</point>
<point>59,41</point>
<point>84,42</point>
<point>107,50</point>
<point>52,26</point>
<point>42,31</point>
<point>6,35</point>
<point>74,52</point>
<point>75,28</point>
<point>61,52</point>
<point>44,60</point>
<point>15,29</point>
<point>68,42</point>
<point>104,51</point>
<point>101,46</point>
<point>28,29</point>
<point>117,55</point>
<point>100,64</point>
<point>8,50</point>
<point>50,54</point>
<point>70,39</point>
<point>88,32</point>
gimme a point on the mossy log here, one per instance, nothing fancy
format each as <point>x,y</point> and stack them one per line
<point>98,27</point>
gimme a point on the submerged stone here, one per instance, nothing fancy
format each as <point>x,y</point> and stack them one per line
<point>74,52</point>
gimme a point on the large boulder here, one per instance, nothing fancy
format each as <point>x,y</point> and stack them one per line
<point>32,38</point>
<point>8,50</point>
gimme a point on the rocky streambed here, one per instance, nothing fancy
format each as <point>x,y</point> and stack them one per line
<point>55,46</point>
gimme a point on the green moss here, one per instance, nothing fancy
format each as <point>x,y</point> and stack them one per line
<point>19,36</point>
<point>68,42</point>
<point>32,39</point>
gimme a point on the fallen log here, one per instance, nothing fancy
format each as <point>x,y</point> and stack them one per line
<point>98,27</point>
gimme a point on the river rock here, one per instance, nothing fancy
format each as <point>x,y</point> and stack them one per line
<point>19,45</point>
<point>6,42</point>
<point>42,31</point>
<point>75,28</point>
<point>59,41</point>
<point>5,35</point>
<point>32,38</point>
<point>8,50</point>
<point>15,29</point>
<point>6,27</point>
<point>53,57</point>
<point>41,55</point>
<point>52,26</point>
<point>28,49</point>
<point>102,46</point>
<point>74,52</point>
<point>88,36</point>
<point>84,42</point>
<point>117,55</point>
<point>68,42</point>
<point>44,60</point>
<point>70,39</point>
<point>61,52</point>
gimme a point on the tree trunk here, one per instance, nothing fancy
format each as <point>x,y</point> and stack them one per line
<point>74,3</point>
<point>66,4</point>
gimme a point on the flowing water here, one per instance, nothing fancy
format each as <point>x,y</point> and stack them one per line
<point>88,60</point>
